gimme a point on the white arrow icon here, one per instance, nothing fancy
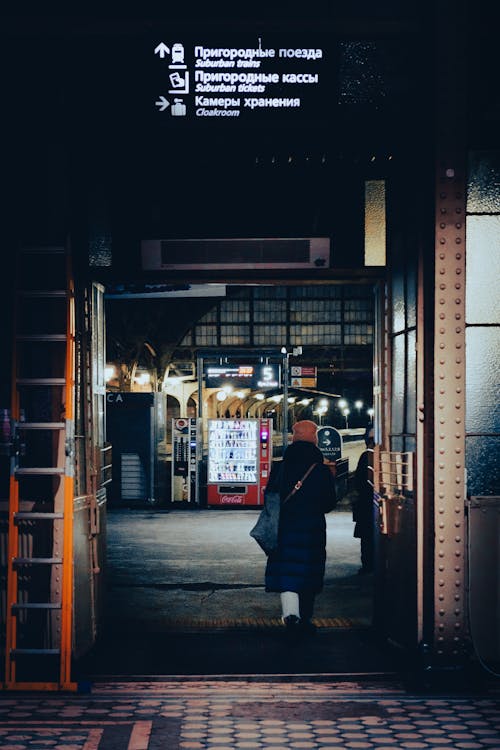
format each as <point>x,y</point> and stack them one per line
<point>162,103</point>
<point>162,50</point>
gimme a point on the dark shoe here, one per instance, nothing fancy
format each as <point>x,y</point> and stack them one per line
<point>292,622</point>
<point>293,631</point>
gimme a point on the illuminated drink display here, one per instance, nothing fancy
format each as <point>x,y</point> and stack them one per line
<point>239,460</point>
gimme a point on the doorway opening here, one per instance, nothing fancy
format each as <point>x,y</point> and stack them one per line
<point>178,565</point>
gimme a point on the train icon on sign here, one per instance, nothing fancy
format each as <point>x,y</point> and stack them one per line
<point>178,53</point>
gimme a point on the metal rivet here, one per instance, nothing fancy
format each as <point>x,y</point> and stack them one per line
<point>442,316</point>
<point>441,495</point>
<point>442,391</point>
<point>442,345</point>
<point>441,361</point>
<point>442,286</point>
<point>441,553</point>
<point>442,241</point>
<point>458,390</point>
<point>441,525</point>
<point>441,301</point>
<point>458,210</point>
<point>442,256</point>
<point>442,195</point>
<point>458,225</point>
<point>457,300</point>
<point>441,626</point>
<point>458,240</point>
<point>441,539</point>
<point>441,612</point>
<point>441,510</point>
<point>441,568</point>
<point>458,271</point>
<point>442,225</point>
<point>441,597</point>
<point>457,597</point>
<point>442,271</point>
<point>458,256</point>
<point>458,286</point>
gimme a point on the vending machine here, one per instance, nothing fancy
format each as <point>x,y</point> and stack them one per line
<point>184,460</point>
<point>240,453</point>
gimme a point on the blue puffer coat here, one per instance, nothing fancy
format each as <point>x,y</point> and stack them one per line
<point>299,562</point>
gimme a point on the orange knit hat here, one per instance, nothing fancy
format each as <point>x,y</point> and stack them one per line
<point>305,430</point>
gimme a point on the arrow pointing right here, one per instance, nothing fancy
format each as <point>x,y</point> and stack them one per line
<point>162,50</point>
<point>162,103</point>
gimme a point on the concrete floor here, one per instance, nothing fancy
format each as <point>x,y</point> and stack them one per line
<point>185,568</point>
<point>185,596</point>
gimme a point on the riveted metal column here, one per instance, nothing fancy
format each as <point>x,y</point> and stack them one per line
<point>449,343</point>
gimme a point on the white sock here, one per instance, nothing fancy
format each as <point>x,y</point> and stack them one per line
<point>290,604</point>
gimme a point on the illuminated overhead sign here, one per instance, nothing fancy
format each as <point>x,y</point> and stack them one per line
<point>243,376</point>
<point>238,78</point>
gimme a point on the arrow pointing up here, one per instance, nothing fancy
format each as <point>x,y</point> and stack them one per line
<point>162,103</point>
<point>162,50</point>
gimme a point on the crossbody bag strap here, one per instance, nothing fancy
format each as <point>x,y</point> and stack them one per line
<point>299,484</point>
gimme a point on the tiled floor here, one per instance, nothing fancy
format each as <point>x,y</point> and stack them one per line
<point>267,715</point>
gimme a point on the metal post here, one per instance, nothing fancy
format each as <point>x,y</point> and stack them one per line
<point>285,400</point>
<point>199,456</point>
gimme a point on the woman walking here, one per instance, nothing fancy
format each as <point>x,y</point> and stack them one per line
<point>297,568</point>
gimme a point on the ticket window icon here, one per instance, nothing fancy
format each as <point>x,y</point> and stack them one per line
<point>178,108</point>
<point>178,53</point>
<point>179,82</point>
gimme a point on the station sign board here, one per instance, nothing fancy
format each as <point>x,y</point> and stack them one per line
<point>303,377</point>
<point>239,77</point>
<point>330,443</point>
<point>254,376</point>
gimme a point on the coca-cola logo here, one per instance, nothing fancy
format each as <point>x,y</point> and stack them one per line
<point>234,499</point>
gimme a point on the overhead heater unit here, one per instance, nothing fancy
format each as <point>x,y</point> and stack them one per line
<point>166,255</point>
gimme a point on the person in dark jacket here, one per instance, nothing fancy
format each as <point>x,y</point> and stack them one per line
<point>297,568</point>
<point>362,512</point>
